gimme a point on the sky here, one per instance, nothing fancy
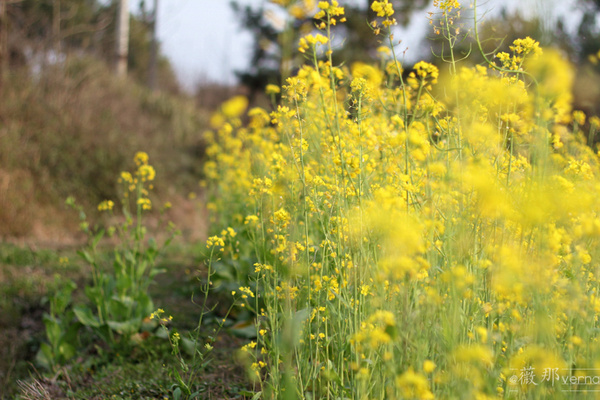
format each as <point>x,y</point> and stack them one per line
<point>205,42</point>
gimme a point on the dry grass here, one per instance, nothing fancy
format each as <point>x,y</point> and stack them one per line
<point>34,390</point>
<point>71,129</point>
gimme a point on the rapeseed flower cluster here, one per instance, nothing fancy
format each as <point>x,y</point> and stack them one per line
<point>137,183</point>
<point>428,236</point>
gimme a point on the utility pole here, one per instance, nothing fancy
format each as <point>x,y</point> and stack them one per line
<point>122,37</point>
<point>153,67</point>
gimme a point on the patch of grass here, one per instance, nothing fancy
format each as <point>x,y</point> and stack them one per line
<point>143,373</point>
<point>27,277</point>
<point>121,379</point>
<point>22,256</point>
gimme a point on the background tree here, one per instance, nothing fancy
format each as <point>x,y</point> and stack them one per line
<point>588,33</point>
<point>39,32</point>
<point>587,51</point>
<point>277,25</point>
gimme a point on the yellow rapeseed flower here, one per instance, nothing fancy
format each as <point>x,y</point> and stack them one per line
<point>140,158</point>
<point>146,173</point>
<point>106,205</point>
<point>234,107</point>
<point>428,366</point>
<point>383,8</point>
<point>145,203</point>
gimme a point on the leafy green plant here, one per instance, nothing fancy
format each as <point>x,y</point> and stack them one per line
<point>61,332</point>
<point>119,299</point>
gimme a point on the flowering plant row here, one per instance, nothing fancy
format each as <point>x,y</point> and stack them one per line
<point>412,235</point>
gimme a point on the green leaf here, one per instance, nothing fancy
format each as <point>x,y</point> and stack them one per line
<point>330,373</point>
<point>392,331</point>
<point>123,282</point>
<point>86,256</point>
<point>246,393</point>
<point>197,393</point>
<point>94,294</point>
<point>66,351</point>
<point>119,266</point>
<point>162,333</point>
<point>85,316</point>
<point>119,307</point>
<point>98,237</point>
<point>168,242</point>
<point>177,394</point>
<point>127,327</point>
<point>44,356</point>
<point>63,297</point>
<point>130,257</point>
<point>53,330</point>
<point>188,346</point>
<point>156,271</point>
<point>141,268</point>
<point>70,336</point>
<point>245,331</point>
<point>145,306</point>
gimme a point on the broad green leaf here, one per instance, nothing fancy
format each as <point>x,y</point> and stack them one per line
<point>120,308</point>
<point>145,306</point>
<point>85,316</point>
<point>53,330</point>
<point>70,336</point>
<point>125,328</point>
<point>162,333</point>
<point>188,345</point>
<point>66,351</point>
<point>44,356</point>
<point>156,271</point>
<point>123,282</point>
<point>86,256</point>
<point>331,374</point>
<point>93,294</point>
<point>177,394</point>
<point>245,331</point>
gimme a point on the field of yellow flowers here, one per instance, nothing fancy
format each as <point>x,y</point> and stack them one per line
<point>413,234</point>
